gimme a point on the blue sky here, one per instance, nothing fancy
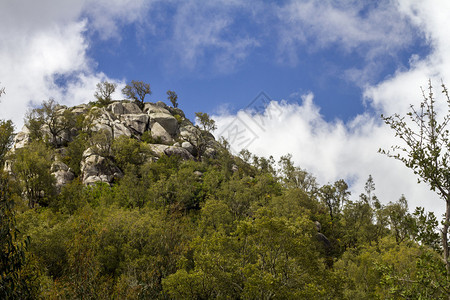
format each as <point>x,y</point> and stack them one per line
<point>330,67</point>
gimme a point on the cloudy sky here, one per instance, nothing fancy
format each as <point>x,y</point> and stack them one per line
<point>309,78</point>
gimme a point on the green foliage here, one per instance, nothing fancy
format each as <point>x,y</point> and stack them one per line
<point>173,97</point>
<point>137,90</point>
<point>426,150</point>
<point>215,227</point>
<point>52,122</point>
<point>205,121</point>
<point>31,167</point>
<point>128,151</point>
<point>74,153</point>
<point>6,139</point>
<point>14,284</point>
<point>104,91</point>
<point>147,137</point>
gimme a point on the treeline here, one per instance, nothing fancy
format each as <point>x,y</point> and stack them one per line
<point>238,227</point>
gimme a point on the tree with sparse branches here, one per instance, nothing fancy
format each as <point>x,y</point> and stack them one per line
<point>104,91</point>
<point>137,90</point>
<point>426,150</point>
<point>173,97</point>
<point>51,117</point>
<point>206,122</point>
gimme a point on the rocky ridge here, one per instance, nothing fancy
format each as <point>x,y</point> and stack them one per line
<point>165,129</point>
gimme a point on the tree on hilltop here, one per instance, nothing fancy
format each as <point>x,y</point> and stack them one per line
<point>137,90</point>
<point>104,91</point>
<point>173,97</point>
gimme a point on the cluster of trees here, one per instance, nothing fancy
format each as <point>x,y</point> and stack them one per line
<point>225,227</point>
<point>135,90</point>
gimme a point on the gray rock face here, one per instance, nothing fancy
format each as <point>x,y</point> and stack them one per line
<point>137,122</point>
<point>167,121</point>
<point>80,109</point>
<point>178,151</point>
<point>119,129</point>
<point>150,108</point>
<point>189,147</point>
<point>158,149</point>
<point>22,138</point>
<point>62,173</point>
<point>157,131</point>
<point>95,168</point>
<point>189,133</point>
<point>122,108</point>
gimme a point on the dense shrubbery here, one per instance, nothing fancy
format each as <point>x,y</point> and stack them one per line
<point>224,227</point>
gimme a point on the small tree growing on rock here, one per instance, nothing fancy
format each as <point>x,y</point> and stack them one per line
<point>104,92</point>
<point>173,97</point>
<point>137,90</point>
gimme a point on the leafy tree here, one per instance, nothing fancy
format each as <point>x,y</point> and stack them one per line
<point>295,177</point>
<point>137,90</point>
<point>173,97</point>
<point>104,92</point>
<point>32,167</point>
<point>6,139</point>
<point>205,121</point>
<point>334,196</point>
<point>13,284</point>
<point>51,118</point>
<point>426,150</point>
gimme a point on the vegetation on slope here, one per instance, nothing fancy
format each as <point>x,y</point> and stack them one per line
<point>218,226</point>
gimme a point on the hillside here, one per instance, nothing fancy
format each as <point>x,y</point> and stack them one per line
<point>132,200</point>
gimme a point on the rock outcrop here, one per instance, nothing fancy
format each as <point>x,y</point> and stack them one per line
<point>165,128</point>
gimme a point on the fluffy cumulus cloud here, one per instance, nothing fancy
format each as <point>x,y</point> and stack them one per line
<point>44,50</point>
<point>328,150</point>
<point>334,150</point>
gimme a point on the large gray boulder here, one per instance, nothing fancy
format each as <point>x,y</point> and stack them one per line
<point>137,122</point>
<point>150,108</point>
<point>189,147</point>
<point>123,108</point>
<point>22,138</point>
<point>80,109</point>
<point>178,151</point>
<point>167,121</point>
<point>96,168</point>
<point>119,129</point>
<point>157,131</point>
<point>62,173</point>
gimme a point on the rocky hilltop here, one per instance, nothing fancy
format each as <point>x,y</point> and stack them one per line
<point>163,130</point>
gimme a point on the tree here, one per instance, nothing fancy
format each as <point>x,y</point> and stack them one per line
<point>137,90</point>
<point>6,139</point>
<point>205,121</point>
<point>334,196</point>
<point>104,91</point>
<point>173,97</point>
<point>426,150</point>
<point>31,166</point>
<point>13,285</point>
<point>50,118</point>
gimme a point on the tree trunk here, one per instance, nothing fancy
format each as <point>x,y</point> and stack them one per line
<point>445,238</point>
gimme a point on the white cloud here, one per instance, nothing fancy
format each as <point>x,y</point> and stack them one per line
<point>47,40</point>
<point>334,150</point>
<point>370,31</point>
<point>328,150</point>
<point>203,31</point>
